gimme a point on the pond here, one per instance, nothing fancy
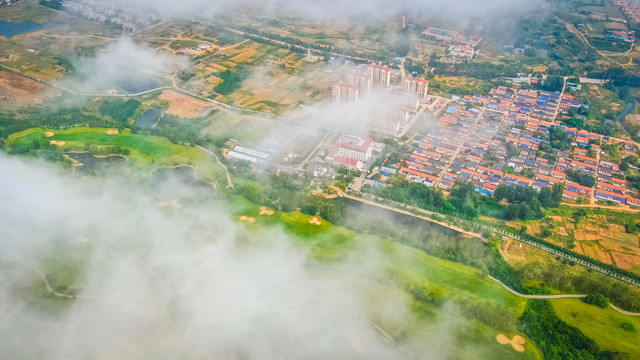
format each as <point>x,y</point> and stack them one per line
<point>184,174</point>
<point>361,211</point>
<point>91,163</point>
<point>9,29</point>
<point>149,118</point>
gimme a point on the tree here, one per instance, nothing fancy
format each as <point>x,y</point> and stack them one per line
<point>597,300</point>
<point>553,83</point>
<point>581,177</point>
<point>579,215</point>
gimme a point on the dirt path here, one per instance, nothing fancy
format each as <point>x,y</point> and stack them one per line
<point>558,297</point>
<point>229,183</point>
<point>612,208</point>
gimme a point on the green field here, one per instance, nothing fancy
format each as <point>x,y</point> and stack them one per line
<point>144,149</point>
<point>408,267</point>
<point>26,11</point>
<point>605,326</point>
<point>180,44</point>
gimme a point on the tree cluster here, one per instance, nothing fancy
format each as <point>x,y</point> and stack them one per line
<point>555,338</point>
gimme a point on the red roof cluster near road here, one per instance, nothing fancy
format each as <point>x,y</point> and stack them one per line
<point>465,48</point>
<point>346,161</point>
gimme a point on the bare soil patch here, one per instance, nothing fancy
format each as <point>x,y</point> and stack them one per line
<point>625,261</point>
<point>183,105</point>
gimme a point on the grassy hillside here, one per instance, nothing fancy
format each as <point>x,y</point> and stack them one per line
<point>611,330</point>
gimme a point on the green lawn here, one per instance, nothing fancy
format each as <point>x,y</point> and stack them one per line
<point>144,149</point>
<point>605,326</point>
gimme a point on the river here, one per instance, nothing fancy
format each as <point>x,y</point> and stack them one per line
<point>363,213</point>
<point>626,111</point>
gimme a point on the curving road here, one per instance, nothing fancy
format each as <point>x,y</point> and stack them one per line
<point>563,296</point>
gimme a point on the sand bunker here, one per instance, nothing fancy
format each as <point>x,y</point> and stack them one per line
<point>517,342</point>
<point>49,134</point>
<point>315,221</point>
<point>265,211</point>
<point>172,203</point>
<point>112,132</point>
<point>59,143</point>
<point>249,219</point>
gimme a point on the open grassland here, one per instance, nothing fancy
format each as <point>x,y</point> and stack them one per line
<point>144,149</point>
<point>611,330</point>
<point>26,11</point>
<point>248,129</point>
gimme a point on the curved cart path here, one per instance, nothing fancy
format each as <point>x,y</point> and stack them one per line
<point>557,297</point>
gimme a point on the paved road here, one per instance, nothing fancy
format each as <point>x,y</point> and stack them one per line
<point>558,297</point>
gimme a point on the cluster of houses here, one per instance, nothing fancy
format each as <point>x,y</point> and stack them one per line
<point>624,35</point>
<point>630,9</point>
<point>129,19</point>
<point>539,104</point>
<point>499,145</point>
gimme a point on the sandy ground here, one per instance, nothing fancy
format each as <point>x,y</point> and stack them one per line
<point>183,105</point>
<point>49,134</point>
<point>517,342</point>
<point>112,132</point>
<point>315,221</point>
<point>58,143</point>
<point>246,218</point>
<point>265,211</point>
<point>172,203</point>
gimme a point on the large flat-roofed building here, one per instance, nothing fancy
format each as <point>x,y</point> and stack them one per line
<point>344,93</point>
<point>353,147</point>
<point>380,75</point>
<point>415,86</point>
<point>361,80</point>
